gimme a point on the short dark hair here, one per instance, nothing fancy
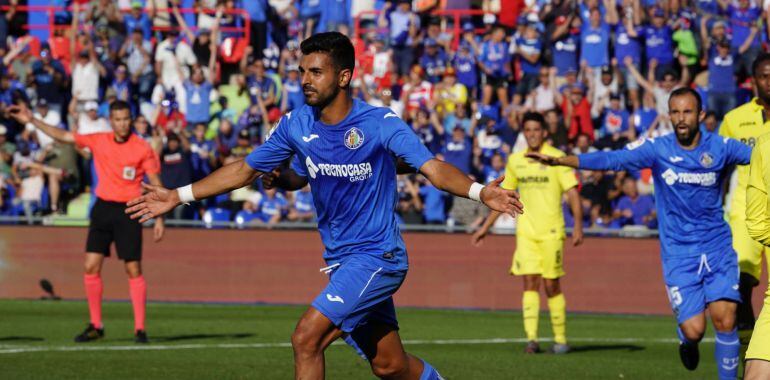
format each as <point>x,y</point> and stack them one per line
<point>533,116</point>
<point>761,58</point>
<point>119,105</point>
<point>335,44</point>
<point>687,91</point>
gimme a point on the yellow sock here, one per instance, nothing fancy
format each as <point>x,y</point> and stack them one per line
<point>558,307</point>
<point>530,303</point>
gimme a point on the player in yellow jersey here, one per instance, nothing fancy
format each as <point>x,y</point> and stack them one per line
<point>540,233</point>
<point>758,225</point>
<point>745,124</point>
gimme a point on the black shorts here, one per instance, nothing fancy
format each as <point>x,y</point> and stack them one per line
<point>497,82</point>
<point>110,223</point>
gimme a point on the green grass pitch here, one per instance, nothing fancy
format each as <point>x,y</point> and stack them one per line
<point>204,341</point>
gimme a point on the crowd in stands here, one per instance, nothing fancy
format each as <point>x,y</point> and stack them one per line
<point>599,70</point>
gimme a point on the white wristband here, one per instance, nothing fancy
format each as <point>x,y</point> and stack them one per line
<point>475,191</point>
<point>185,194</point>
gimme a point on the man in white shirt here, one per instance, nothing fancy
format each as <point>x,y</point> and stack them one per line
<point>86,70</point>
<point>171,57</point>
<point>47,115</point>
<point>89,121</point>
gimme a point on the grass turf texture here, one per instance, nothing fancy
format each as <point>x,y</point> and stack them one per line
<point>203,341</point>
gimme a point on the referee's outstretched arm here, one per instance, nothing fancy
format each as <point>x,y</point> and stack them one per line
<point>23,115</point>
<point>158,200</point>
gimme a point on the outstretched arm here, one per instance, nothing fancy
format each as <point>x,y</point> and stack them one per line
<point>450,179</point>
<point>158,200</point>
<point>23,116</point>
<point>637,155</point>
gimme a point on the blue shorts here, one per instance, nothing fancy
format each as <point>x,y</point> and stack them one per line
<point>694,282</point>
<point>360,289</point>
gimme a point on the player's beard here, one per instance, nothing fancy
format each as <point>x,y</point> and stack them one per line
<point>685,139</point>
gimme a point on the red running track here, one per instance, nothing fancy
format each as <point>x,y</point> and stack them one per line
<point>603,275</point>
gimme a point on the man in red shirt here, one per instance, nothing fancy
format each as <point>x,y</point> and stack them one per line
<point>122,159</point>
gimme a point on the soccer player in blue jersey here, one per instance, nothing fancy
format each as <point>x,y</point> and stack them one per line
<point>700,267</point>
<point>348,151</point>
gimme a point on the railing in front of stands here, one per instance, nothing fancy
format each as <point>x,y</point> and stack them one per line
<point>632,232</point>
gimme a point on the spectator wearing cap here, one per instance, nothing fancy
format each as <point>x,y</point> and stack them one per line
<point>615,128</point>
<point>488,141</point>
<point>449,94</point>
<point>595,44</point>
<point>466,69</point>
<point>169,117</point>
<point>49,78</point>
<point>494,62</point>
<point>88,121</point>
<point>243,145</point>
<point>434,61</point>
<point>600,89</point>
<point>659,47</point>
<point>175,166</point>
<point>136,52</point>
<point>416,92</point>
<point>528,49</point>
<point>137,19</point>
<point>199,93</point>
<point>628,43</point>
<point>565,44</point>
<point>203,157</point>
<point>721,86</point>
<point>48,116</point>
<point>470,38</point>
<point>404,26</point>
<point>293,97</point>
<point>745,24</point>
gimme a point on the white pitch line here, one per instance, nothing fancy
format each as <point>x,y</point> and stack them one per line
<point>13,349</point>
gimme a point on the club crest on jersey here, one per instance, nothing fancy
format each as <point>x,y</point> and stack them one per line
<point>706,160</point>
<point>354,138</point>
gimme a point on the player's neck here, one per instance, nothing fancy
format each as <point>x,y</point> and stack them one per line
<point>337,110</point>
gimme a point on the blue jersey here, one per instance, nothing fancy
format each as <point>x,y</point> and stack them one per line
<point>688,188</point>
<point>627,46</point>
<point>658,44</point>
<point>351,167</point>
<point>595,45</point>
<point>565,53</point>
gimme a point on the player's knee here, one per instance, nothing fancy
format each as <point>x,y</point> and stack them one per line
<point>303,341</point>
<point>724,323</point>
<point>391,368</point>
<point>92,268</point>
<point>552,288</point>
<point>693,331</point>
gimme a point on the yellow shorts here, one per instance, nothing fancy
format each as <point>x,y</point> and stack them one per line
<point>749,250</point>
<point>543,257</point>
<point>759,348</point>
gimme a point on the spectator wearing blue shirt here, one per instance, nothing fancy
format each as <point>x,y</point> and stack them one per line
<point>464,63</point>
<point>721,88</point>
<point>645,116</point>
<point>494,62</point>
<point>333,14</point>
<point>198,93</point>
<point>634,209</point>
<point>257,11</point>
<point>628,44</point>
<point>433,60</point>
<point>529,49</point>
<point>404,26</point>
<point>495,169</point>
<point>203,153</point>
<point>261,85</point>
<point>273,207</point>
<point>136,19</point>
<point>458,149</point>
<point>430,134</point>
<point>122,86</point>
<point>659,45</point>
<point>587,6</point>
<point>293,97</point>
<point>595,44</point>
<point>302,209</point>
<point>616,131</point>
<point>745,21</point>
<point>310,14</point>
<point>434,204</point>
<point>565,44</point>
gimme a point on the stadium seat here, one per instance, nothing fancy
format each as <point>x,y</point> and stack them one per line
<point>216,215</point>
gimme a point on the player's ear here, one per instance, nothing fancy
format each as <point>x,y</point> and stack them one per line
<point>345,76</point>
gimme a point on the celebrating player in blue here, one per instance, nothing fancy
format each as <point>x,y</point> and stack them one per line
<point>700,267</point>
<point>348,151</point>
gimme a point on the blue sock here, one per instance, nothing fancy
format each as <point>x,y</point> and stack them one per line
<point>429,373</point>
<point>726,354</point>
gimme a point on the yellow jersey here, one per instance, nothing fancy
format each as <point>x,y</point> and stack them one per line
<point>541,188</point>
<point>745,124</point>
<point>757,201</point>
